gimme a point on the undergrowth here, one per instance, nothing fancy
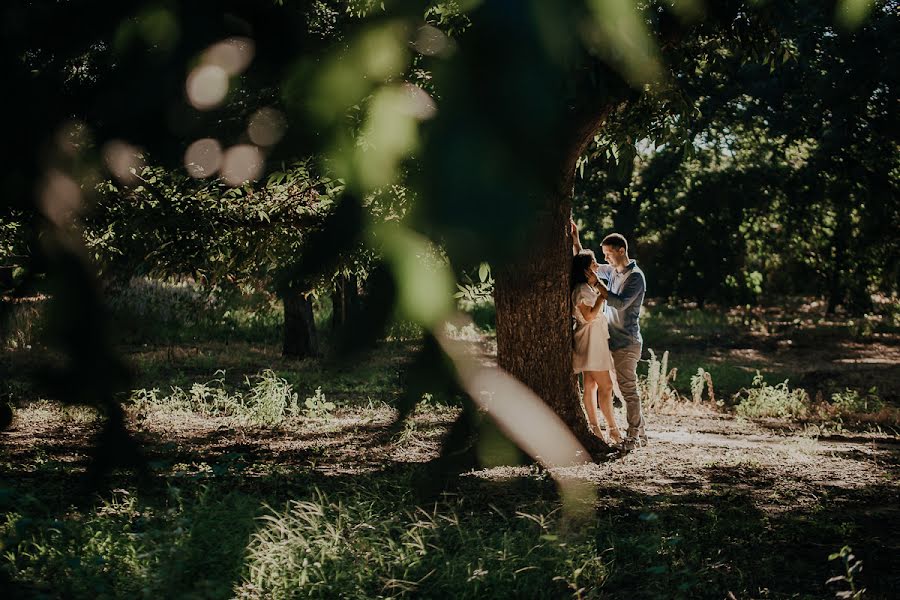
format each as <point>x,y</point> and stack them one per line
<point>268,400</point>
<point>305,549</point>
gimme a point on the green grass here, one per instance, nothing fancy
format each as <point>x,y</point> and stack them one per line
<point>185,544</point>
<point>268,399</point>
<point>284,536</point>
<point>444,550</point>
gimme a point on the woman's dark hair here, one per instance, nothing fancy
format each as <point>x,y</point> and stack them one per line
<point>581,262</point>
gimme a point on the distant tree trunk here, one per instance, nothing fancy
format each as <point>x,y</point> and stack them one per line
<point>300,339</point>
<point>344,300</point>
<point>840,242</point>
<point>532,296</point>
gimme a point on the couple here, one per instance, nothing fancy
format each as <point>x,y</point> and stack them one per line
<point>606,301</point>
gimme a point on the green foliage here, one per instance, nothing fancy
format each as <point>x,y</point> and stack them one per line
<point>476,298</point>
<point>245,234</point>
<point>769,163</point>
<point>764,400</point>
<point>852,568</point>
<point>850,402</point>
<point>317,406</point>
<point>190,546</point>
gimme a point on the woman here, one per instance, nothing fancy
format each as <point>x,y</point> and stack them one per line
<point>591,350</point>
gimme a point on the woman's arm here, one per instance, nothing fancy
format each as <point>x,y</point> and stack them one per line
<point>590,312</point>
<point>576,242</point>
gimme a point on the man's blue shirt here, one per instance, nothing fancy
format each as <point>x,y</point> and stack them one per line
<point>623,306</point>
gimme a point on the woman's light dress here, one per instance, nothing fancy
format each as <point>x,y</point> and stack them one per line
<point>591,350</point>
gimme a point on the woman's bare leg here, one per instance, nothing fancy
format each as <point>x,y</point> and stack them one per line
<point>604,394</point>
<point>590,403</point>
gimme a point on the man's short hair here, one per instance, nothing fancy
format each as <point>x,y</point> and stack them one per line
<point>615,240</point>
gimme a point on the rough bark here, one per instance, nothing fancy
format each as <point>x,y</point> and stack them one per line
<point>532,296</point>
<point>300,339</point>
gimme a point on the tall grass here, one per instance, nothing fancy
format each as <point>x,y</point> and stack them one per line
<point>654,388</point>
<point>361,546</point>
<point>269,399</point>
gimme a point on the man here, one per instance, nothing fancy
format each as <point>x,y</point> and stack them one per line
<point>627,286</point>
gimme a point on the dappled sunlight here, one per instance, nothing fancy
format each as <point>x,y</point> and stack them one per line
<point>262,263</point>
<point>431,41</point>
<point>266,127</point>
<point>203,158</point>
<point>123,160</point>
<point>241,164</point>
<point>60,198</point>
<point>208,82</point>
<point>232,55</point>
<point>206,86</point>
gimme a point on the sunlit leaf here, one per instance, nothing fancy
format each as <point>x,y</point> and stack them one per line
<point>851,13</point>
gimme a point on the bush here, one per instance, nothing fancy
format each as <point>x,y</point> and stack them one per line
<point>850,402</point>
<point>162,302</point>
<point>182,309</point>
<point>763,400</point>
<point>23,324</point>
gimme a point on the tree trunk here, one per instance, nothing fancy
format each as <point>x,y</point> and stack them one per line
<point>534,310</point>
<point>300,339</point>
<point>840,241</point>
<point>344,300</point>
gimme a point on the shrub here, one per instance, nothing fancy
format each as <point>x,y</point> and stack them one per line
<point>162,302</point>
<point>851,402</point>
<point>763,400</point>
<point>23,324</point>
<point>317,406</point>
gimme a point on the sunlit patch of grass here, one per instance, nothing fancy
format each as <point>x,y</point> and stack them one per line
<point>269,399</point>
<point>669,325</point>
<point>854,407</point>
<point>307,549</point>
